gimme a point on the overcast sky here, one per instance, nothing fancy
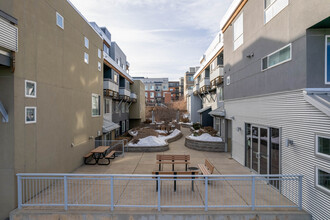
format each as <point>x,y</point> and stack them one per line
<point>161,38</point>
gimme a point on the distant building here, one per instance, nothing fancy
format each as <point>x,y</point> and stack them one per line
<point>155,89</point>
<point>181,86</point>
<point>188,82</point>
<point>174,87</point>
<point>137,109</point>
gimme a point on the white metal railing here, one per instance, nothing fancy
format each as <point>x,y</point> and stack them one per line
<point>108,84</point>
<point>133,95</point>
<point>204,82</point>
<point>124,91</point>
<point>218,71</point>
<point>159,191</point>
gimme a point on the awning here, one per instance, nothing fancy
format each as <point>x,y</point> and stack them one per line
<point>220,112</point>
<point>203,109</point>
<point>108,125</point>
<point>319,99</point>
<point>4,114</point>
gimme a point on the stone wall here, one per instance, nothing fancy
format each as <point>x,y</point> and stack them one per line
<point>205,145</point>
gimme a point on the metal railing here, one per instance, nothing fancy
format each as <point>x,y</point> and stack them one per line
<point>159,191</point>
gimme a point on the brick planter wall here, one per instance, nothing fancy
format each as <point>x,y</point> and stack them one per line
<point>205,145</point>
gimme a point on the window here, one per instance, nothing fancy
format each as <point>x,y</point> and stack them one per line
<point>59,20</point>
<point>146,94</point>
<point>273,7</point>
<point>276,58</point>
<point>107,106</point>
<point>123,127</point>
<point>30,89</point>
<point>86,58</point>
<point>99,67</point>
<point>152,88</point>
<point>151,95</point>
<point>327,59</point>
<point>86,42</point>
<point>123,108</point>
<point>115,77</point>
<point>238,32</point>
<point>217,125</point>
<point>30,115</point>
<point>106,49</point>
<point>96,105</point>
<point>220,94</point>
<point>190,78</point>
<point>322,146</point>
<point>171,89</point>
<point>322,180</point>
<point>99,54</point>
<point>228,80</point>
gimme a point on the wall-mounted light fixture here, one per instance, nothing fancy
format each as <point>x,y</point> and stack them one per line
<point>288,143</point>
<point>232,117</point>
<point>238,129</point>
<point>250,55</point>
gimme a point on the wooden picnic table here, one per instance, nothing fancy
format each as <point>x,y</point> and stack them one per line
<point>99,152</point>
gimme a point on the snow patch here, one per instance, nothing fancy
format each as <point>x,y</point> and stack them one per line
<point>206,137</point>
<point>154,141</point>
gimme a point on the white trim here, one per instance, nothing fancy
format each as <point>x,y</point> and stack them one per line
<point>35,89</point>
<point>99,97</point>
<point>317,186</point>
<point>290,45</point>
<point>326,80</point>
<point>99,53</point>
<point>58,14</point>
<point>35,115</point>
<point>317,153</point>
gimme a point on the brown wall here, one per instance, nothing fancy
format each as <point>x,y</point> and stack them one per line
<point>52,57</point>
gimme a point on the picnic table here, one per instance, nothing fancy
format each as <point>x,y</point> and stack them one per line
<point>97,154</point>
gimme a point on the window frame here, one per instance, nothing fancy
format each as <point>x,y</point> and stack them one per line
<point>316,182</point>
<point>99,53</point>
<point>99,66</point>
<point>59,15</point>
<point>99,104</point>
<point>35,89</point>
<point>86,41</point>
<point>326,80</point>
<point>317,153</point>
<point>280,63</point>
<point>241,35</point>
<point>35,114</point>
<point>86,61</point>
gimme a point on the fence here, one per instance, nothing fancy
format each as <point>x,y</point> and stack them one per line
<point>160,191</point>
<point>117,145</point>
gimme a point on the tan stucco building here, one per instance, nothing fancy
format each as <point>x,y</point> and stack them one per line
<point>52,92</point>
<point>138,108</point>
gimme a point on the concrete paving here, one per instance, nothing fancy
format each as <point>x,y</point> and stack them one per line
<point>142,191</point>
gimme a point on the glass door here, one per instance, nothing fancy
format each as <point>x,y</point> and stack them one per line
<point>255,149</point>
<point>259,157</point>
<point>263,151</point>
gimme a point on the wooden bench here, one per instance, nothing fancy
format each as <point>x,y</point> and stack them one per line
<point>207,168</point>
<point>111,155</point>
<point>172,159</point>
<point>89,156</point>
<point>176,178</point>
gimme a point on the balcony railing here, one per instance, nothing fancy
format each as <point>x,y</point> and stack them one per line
<point>216,73</point>
<point>159,191</point>
<point>109,84</point>
<point>133,95</point>
<point>204,82</point>
<point>124,92</point>
<point>196,88</point>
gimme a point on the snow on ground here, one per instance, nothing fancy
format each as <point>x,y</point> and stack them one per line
<point>134,133</point>
<point>161,131</point>
<point>155,141</point>
<point>206,137</point>
<point>185,123</point>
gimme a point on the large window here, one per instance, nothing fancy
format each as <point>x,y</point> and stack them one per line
<point>123,127</point>
<point>273,7</point>
<point>276,58</point>
<point>106,49</point>
<point>217,125</point>
<point>59,20</point>
<point>322,179</point>
<point>151,95</point>
<point>107,106</point>
<point>86,58</point>
<point>30,115</point>
<point>30,89</point>
<point>322,146</point>
<point>99,54</point>
<point>327,59</point>
<point>146,87</point>
<point>152,88</point>
<point>86,42</point>
<point>238,32</point>
<point>96,105</point>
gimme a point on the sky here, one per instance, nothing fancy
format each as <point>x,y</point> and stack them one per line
<point>161,38</point>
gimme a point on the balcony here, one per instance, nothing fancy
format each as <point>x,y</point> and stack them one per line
<point>109,84</point>
<point>217,72</point>
<point>196,89</point>
<point>124,92</point>
<point>133,97</point>
<point>205,82</point>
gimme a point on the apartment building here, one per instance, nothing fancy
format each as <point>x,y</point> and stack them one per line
<point>116,84</point>
<point>155,89</point>
<point>174,87</point>
<point>50,91</point>
<point>188,82</point>
<point>181,86</point>
<point>137,109</point>
<point>277,92</point>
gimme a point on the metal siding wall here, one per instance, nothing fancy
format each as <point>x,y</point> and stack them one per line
<point>299,121</point>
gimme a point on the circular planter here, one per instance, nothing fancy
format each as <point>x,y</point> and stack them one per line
<point>205,145</point>
<point>153,148</point>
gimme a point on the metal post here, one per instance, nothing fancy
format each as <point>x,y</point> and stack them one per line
<point>19,192</point>
<point>300,193</point>
<point>158,180</point>
<point>111,196</point>
<point>206,193</point>
<point>123,147</point>
<point>253,189</point>
<point>65,193</point>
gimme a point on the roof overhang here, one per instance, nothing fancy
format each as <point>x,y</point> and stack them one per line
<point>234,9</point>
<point>204,109</point>
<point>319,98</point>
<point>108,125</point>
<point>110,63</point>
<point>200,70</point>
<point>219,112</point>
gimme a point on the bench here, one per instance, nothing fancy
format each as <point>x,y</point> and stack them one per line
<point>111,155</point>
<point>192,173</point>
<point>172,159</point>
<point>206,168</point>
<point>87,156</point>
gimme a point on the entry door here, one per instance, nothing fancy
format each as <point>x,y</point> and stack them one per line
<point>259,154</point>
